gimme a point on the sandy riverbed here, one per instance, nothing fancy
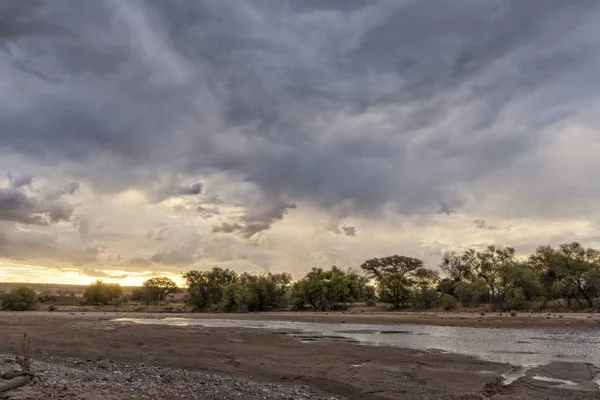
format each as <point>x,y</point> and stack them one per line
<point>329,369</point>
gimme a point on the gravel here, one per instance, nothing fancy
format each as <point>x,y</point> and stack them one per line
<point>70,378</point>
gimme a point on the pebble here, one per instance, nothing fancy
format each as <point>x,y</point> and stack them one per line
<point>105,379</point>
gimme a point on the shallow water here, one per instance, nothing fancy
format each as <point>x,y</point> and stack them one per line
<point>518,347</point>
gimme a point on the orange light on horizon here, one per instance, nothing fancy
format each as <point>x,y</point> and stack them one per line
<point>16,273</point>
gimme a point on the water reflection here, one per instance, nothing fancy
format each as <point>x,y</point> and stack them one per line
<point>518,347</point>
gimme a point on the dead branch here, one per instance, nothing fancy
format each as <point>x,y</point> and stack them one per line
<point>15,383</point>
<point>13,374</point>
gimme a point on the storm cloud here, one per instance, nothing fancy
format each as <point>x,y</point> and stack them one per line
<point>29,207</point>
<point>405,108</point>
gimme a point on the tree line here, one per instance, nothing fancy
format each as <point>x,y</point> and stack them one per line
<point>568,275</point>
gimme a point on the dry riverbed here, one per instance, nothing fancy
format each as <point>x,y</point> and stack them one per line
<point>85,356</point>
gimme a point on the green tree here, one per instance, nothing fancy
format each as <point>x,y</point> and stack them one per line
<point>446,286</point>
<point>472,293</point>
<point>515,299</point>
<point>239,298</point>
<point>571,271</point>
<point>100,293</point>
<point>488,264</point>
<point>424,282</point>
<point>256,292</point>
<point>546,264</point>
<point>324,289</point>
<point>472,264</point>
<point>394,275</point>
<point>517,284</point>
<point>21,298</point>
<point>448,302</point>
<point>205,288</point>
<point>394,289</point>
<point>155,290</point>
<point>369,295</point>
<point>458,267</point>
<point>393,265</point>
<point>583,271</point>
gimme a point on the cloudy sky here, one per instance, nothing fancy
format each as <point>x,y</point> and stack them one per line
<point>147,137</point>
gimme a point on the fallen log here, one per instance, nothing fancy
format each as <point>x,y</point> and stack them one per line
<point>15,383</point>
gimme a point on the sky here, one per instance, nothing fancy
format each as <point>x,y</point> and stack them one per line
<point>144,138</point>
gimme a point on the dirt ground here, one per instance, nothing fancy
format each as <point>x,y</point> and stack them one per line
<point>335,368</point>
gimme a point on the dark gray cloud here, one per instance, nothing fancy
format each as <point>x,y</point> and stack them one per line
<point>349,230</point>
<point>28,207</point>
<point>164,233</point>
<point>257,219</point>
<point>226,227</point>
<point>20,181</point>
<point>139,262</point>
<point>175,255</point>
<point>445,209</point>
<point>96,273</point>
<point>69,189</point>
<point>404,105</point>
<point>174,189</point>
<point>21,18</point>
<point>481,224</point>
<point>35,244</point>
<point>208,211</point>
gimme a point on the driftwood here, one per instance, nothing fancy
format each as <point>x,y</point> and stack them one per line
<point>13,374</point>
<point>15,383</point>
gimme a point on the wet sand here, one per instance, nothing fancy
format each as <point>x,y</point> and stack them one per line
<point>470,319</point>
<point>336,368</point>
<point>490,320</point>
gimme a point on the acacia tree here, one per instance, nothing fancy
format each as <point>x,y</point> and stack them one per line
<point>394,275</point>
<point>155,290</point>
<point>385,266</point>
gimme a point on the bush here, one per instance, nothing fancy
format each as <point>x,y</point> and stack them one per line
<point>51,307</point>
<point>60,297</point>
<point>472,293</point>
<point>515,300</point>
<point>100,293</point>
<point>448,302</point>
<point>297,303</point>
<point>513,313</point>
<point>21,298</point>
<point>371,303</point>
<point>425,299</point>
<point>237,298</point>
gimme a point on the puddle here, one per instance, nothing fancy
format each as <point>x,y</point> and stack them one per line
<point>514,374</point>
<point>563,382</point>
